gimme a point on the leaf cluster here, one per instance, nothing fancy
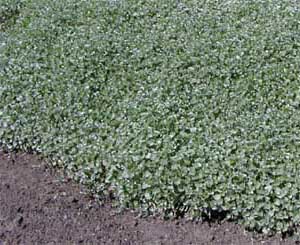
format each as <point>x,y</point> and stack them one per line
<point>9,10</point>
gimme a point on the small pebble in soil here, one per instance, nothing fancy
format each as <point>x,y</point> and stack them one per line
<point>19,220</point>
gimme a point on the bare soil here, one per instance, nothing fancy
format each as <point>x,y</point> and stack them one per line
<point>39,206</point>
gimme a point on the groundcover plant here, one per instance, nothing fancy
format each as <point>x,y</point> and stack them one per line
<point>177,107</point>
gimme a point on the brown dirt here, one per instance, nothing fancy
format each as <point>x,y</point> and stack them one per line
<point>38,206</point>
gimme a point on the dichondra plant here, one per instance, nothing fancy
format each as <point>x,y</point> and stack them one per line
<point>179,107</point>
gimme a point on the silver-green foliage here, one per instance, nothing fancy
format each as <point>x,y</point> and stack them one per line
<point>175,105</point>
<point>9,9</point>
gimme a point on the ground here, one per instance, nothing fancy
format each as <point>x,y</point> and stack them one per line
<point>38,205</point>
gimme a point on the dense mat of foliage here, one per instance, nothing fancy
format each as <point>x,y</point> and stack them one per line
<point>9,10</point>
<point>176,106</point>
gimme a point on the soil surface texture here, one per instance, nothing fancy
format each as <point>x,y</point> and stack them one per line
<point>38,205</point>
